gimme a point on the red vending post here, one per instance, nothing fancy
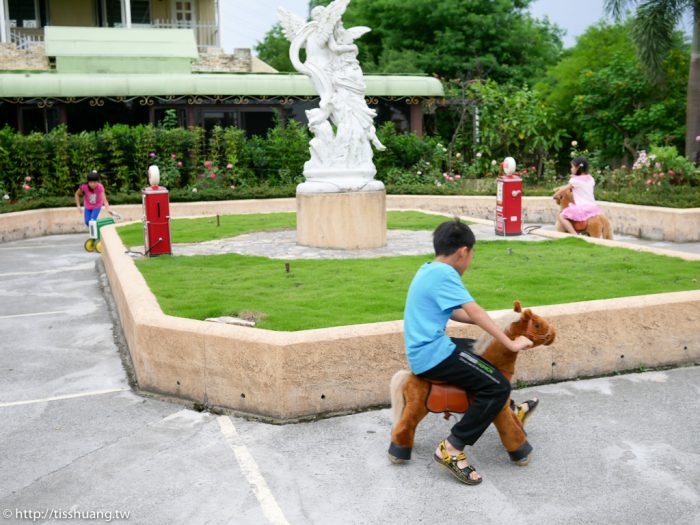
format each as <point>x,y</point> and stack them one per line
<point>509,206</point>
<point>156,216</point>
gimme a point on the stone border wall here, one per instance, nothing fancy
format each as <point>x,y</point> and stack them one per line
<point>663,224</point>
<point>287,376</point>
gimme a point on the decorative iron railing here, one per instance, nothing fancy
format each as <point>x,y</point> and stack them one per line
<point>206,34</point>
<point>23,38</point>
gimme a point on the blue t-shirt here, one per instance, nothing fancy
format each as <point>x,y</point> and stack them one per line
<point>436,291</point>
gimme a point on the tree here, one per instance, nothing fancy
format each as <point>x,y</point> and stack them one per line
<point>653,29</point>
<point>495,39</point>
<point>603,98</point>
<point>274,50</point>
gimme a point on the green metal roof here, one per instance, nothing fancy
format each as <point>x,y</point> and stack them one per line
<point>118,50</point>
<point>119,42</point>
<point>59,85</point>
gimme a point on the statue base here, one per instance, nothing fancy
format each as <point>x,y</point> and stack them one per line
<point>352,220</point>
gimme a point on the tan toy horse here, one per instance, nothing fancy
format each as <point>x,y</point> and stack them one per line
<point>597,226</point>
<point>413,397</point>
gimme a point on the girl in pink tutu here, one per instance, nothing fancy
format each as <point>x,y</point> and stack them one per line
<point>584,206</point>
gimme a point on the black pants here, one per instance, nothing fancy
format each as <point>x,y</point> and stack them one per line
<point>480,378</point>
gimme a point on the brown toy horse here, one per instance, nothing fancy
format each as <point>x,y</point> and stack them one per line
<point>413,397</point>
<point>597,226</point>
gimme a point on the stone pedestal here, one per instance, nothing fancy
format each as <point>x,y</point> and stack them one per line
<point>348,220</point>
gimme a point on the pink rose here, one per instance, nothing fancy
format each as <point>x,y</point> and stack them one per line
<point>173,156</point>
<point>152,155</point>
<point>697,139</point>
<point>207,163</point>
<point>648,181</point>
<point>213,175</point>
<point>450,179</point>
<point>28,179</point>
<point>26,187</point>
<point>179,164</point>
<point>670,172</point>
<point>458,177</point>
<point>229,166</point>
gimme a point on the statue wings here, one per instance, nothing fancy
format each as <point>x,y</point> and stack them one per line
<point>291,23</point>
<point>330,17</point>
<point>352,34</point>
<point>324,24</point>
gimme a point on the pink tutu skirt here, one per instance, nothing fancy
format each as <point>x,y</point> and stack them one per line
<point>581,212</point>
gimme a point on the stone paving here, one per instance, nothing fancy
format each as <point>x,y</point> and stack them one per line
<point>281,244</point>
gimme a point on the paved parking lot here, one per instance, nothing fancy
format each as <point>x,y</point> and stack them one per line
<point>75,441</point>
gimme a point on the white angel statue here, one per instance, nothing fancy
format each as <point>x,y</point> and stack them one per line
<point>341,154</point>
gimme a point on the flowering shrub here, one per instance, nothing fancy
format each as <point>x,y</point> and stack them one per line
<point>212,177</point>
<point>662,166</point>
<point>169,166</point>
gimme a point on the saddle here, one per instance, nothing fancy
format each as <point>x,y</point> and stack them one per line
<point>447,398</point>
<point>580,226</point>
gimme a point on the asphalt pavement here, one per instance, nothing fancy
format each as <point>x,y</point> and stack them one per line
<point>77,444</point>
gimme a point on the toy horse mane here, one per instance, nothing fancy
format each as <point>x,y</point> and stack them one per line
<point>565,199</point>
<point>503,323</point>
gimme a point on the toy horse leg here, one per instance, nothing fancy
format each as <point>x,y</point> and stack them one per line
<point>512,435</point>
<point>607,228</point>
<point>595,227</point>
<point>415,391</point>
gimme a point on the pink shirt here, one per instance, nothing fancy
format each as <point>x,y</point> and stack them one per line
<point>93,199</point>
<point>583,190</point>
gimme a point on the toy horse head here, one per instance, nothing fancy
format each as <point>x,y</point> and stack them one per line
<point>532,326</point>
<point>519,322</point>
<point>564,199</point>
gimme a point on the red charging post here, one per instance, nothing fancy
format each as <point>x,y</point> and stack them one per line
<point>509,197</point>
<point>156,216</point>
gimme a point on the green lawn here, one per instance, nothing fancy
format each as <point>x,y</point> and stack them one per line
<point>325,293</point>
<point>205,229</point>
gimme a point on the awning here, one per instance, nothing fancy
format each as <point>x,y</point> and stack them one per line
<point>65,85</point>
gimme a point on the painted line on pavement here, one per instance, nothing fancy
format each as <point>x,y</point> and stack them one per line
<point>34,314</point>
<point>86,266</point>
<point>35,245</point>
<point>249,467</point>
<point>60,398</point>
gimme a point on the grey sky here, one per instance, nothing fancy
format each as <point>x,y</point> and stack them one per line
<point>245,22</point>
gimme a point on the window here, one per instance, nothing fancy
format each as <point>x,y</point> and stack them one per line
<point>111,13</point>
<point>209,118</point>
<point>141,12</point>
<point>42,120</point>
<point>24,12</point>
<point>258,122</point>
<point>184,13</point>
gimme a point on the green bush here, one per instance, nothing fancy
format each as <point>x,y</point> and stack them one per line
<point>36,169</point>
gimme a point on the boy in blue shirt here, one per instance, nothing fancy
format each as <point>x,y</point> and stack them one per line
<point>436,295</point>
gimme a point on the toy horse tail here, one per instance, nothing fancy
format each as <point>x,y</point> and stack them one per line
<point>396,387</point>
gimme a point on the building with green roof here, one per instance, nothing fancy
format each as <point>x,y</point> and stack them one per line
<point>87,76</point>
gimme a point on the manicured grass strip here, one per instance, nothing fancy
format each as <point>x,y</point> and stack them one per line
<point>323,293</point>
<point>205,228</point>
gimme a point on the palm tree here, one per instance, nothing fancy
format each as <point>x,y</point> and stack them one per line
<point>653,30</point>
